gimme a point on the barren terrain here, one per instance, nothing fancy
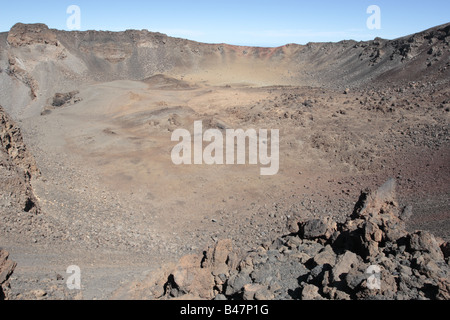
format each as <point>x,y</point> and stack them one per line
<point>89,179</point>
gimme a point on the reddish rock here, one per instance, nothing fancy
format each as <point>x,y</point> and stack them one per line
<point>29,34</point>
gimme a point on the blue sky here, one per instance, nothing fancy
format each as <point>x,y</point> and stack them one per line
<point>244,22</point>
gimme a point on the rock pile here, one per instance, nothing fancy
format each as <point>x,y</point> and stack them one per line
<point>369,256</point>
<point>61,100</point>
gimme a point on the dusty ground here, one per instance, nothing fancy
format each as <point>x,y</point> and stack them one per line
<point>112,202</point>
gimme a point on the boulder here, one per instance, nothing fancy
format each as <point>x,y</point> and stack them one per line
<point>344,264</point>
<point>319,228</point>
<point>216,257</point>
<point>311,292</point>
<point>326,256</point>
<point>264,295</point>
<point>236,283</point>
<point>190,278</point>
<point>423,241</point>
<point>251,289</point>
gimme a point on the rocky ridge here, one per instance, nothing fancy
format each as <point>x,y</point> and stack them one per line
<point>76,58</point>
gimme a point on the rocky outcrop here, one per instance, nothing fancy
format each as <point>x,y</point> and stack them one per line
<point>29,34</point>
<point>11,142</point>
<point>369,256</point>
<point>17,71</point>
<point>17,167</point>
<point>61,100</point>
<point>6,269</point>
<point>23,35</point>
